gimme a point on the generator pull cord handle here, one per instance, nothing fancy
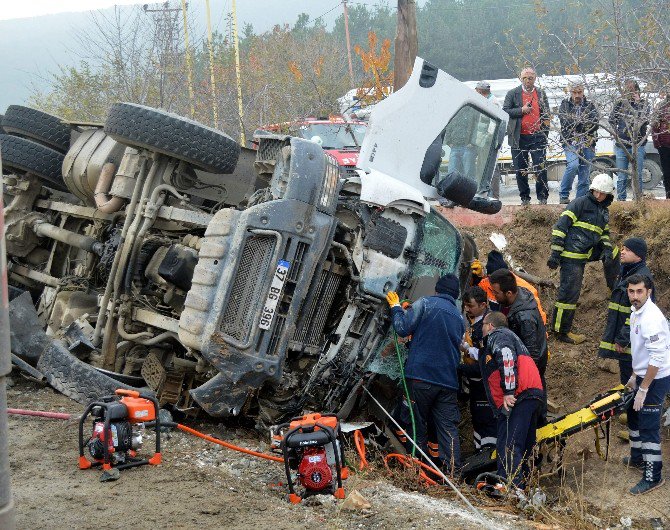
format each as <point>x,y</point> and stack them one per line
<point>485,522</point>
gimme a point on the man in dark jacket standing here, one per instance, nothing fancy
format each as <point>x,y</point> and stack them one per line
<point>437,329</point>
<point>579,133</point>
<point>523,315</point>
<point>527,130</point>
<point>515,393</point>
<point>615,343</point>
<point>581,234</point>
<point>629,120</point>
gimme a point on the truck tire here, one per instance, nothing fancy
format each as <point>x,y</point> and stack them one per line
<point>652,174</point>
<point>37,125</point>
<point>74,378</point>
<point>172,135</point>
<point>26,156</point>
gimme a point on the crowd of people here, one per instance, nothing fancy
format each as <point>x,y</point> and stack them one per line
<point>494,345</point>
<point>628,124</point>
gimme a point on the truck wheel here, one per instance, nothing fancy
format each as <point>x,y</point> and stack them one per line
<point>172,135</point>
<point>651,174</point>
<point>26,156</point>
<point>600,165</point>
<point>37,125</point>
<point>74,378</point>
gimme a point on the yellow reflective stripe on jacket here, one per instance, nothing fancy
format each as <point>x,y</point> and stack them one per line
<point>562,305</point>
<point>615,251</point>
<point>557,247</point>
<point>627,323</point>
<point>571,215</point>
<point>617,307</point>
<point>609,346</point>
<point>558,233</point>
<point>589,226</point>
<point>577,255</point>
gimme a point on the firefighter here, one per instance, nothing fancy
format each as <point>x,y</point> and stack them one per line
<point>650,354</point>
<point>437,329</point>
<point>483,422</point>
<point>581,234</point>
<point>515,394</point>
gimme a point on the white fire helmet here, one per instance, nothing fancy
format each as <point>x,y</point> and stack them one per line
<point>603,183</point>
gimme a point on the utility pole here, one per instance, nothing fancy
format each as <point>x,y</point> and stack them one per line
<point>406,43</point>
<point>346,32</point>
<point>240,107</point>
<point>210,47</point>
<point>189,64</point>
<point>6,501</point>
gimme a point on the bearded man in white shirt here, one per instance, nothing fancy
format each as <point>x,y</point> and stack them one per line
<point>650,352</point>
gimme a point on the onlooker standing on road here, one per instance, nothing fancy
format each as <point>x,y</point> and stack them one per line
<point>650,350</point>
<point>527,131</point>
<point>515,394</point>
<point>629,119</point>
<point>581,234</point>
<point>437,329</point>
<point>483,88</point>
<point>579,132</point>
<point>660,133</point>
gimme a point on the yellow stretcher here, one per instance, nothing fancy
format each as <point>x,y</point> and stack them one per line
<point>551,438</point>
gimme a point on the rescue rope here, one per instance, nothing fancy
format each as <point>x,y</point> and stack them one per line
<point>404,384</point>
<point>438,472</point>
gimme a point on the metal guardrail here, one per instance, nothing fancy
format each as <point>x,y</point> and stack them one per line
<point>6,501</point>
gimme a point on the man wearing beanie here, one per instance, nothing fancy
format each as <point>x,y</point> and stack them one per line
<point>615,343</point>
<point>437,328</point>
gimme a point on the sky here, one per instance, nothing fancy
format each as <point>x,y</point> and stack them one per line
<point>34,8</point>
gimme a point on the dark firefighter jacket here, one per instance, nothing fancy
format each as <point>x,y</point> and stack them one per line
<point>508,369</point>
<point>437,329</point>
<point>617,329</point>
<point>583,224</point>
<point>525,320</point>
<point>579,123</point>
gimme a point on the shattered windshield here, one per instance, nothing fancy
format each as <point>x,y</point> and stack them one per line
<point>333,135</point>
<point>439,253</point>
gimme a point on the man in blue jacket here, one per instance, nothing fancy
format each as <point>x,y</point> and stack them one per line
<point>437,328</point>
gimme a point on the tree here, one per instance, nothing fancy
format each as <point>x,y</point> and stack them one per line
<point>406,43</point>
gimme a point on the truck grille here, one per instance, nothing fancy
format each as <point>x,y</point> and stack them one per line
<point>245,295</point>
<point>309,334</point>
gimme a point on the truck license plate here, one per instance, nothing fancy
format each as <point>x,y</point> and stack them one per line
<point>278,279</point>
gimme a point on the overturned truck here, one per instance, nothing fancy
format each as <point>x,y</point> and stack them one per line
<point>155,252</point>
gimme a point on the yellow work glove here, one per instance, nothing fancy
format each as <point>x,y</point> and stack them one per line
<point>392,298</point>
<point>477,268</point>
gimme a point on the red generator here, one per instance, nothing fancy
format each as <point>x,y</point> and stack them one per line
<point>118,423</point>
<point>312,446</point>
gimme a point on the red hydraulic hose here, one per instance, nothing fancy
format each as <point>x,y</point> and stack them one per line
<point>228,445</point>
<point>40,413</point>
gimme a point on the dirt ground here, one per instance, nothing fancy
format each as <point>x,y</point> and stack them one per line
<point>203,485</point>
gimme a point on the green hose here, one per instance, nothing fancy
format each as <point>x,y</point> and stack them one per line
<point>404,384</point>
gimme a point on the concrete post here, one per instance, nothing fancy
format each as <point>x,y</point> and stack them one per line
<point>6,502</point>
